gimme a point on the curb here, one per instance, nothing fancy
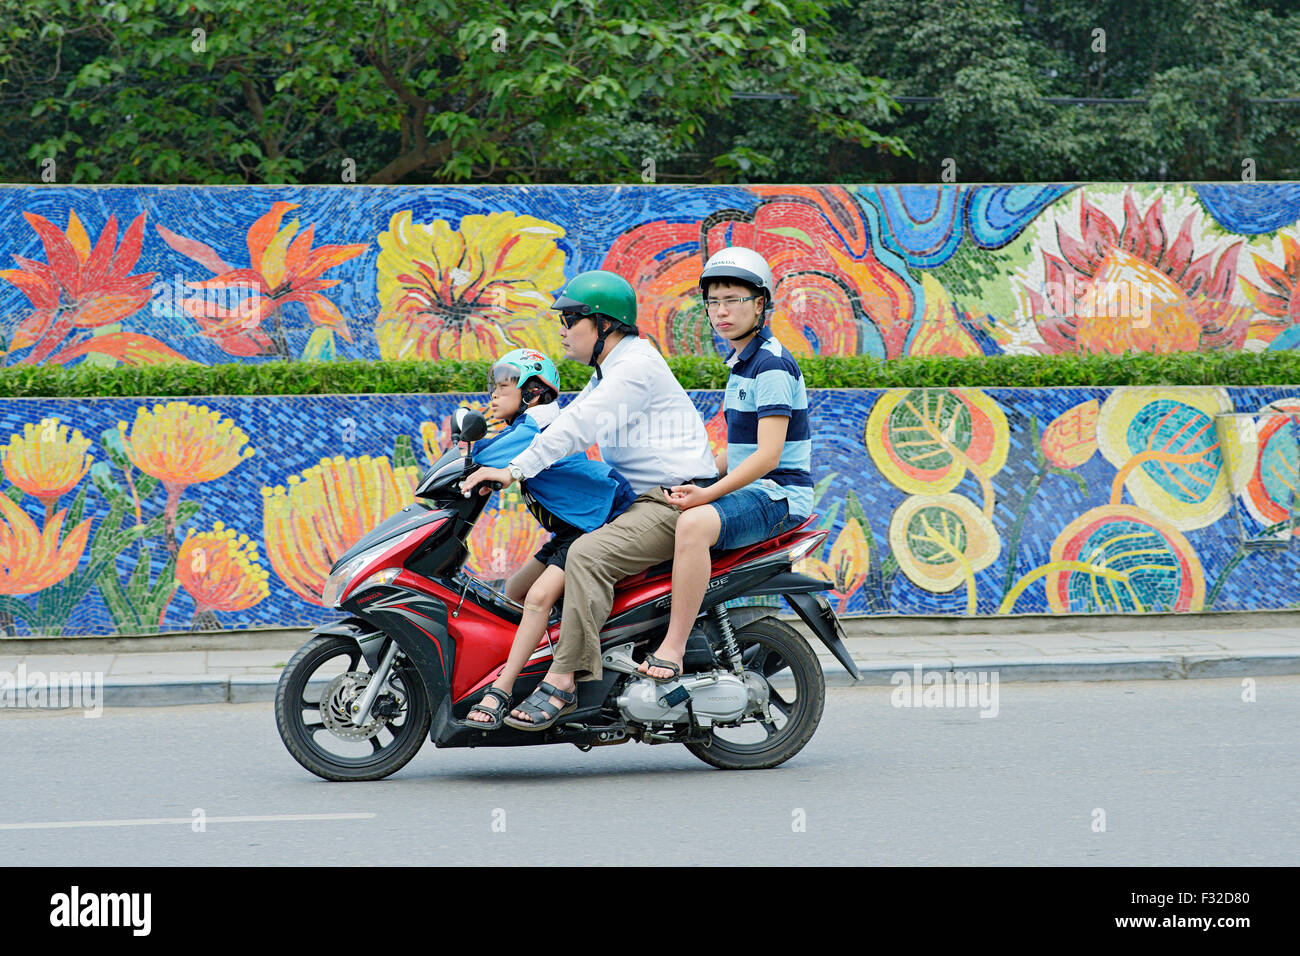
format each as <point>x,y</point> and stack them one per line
<point>166,691</point>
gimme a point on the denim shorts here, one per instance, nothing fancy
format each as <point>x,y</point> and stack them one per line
<point>751,515</point>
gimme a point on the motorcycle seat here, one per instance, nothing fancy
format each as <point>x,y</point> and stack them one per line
<point>721,559</point>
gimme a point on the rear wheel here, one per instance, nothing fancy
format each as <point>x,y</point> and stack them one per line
<point>312,703</point>
<point>776,655</point>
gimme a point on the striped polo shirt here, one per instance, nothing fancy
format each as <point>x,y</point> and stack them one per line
<point>765,381</point>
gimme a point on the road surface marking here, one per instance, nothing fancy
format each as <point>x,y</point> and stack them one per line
<point>157,821</point>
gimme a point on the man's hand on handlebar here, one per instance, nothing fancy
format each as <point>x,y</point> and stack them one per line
<point>484,476</point>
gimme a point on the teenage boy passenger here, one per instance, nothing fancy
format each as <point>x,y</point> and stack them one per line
<point>767,486</point>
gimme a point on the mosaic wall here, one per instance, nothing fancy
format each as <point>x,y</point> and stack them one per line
<point>217,274</point>
<point>134,516</point>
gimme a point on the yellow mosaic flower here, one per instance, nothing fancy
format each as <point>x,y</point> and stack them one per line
<point>467,293</point>
<point>220,571</point>
<point>323,511</point>
<point>182,444</point>
<point>47,460</point>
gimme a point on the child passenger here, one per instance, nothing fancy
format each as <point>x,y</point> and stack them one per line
<point>573,496</point>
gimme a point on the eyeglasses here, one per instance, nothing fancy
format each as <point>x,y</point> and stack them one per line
<point>713,304</point>
<point>570,319</point>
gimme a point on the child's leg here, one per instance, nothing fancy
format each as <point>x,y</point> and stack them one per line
<point>519,583</point>
<point>539,600</point>
<point>697,531</point>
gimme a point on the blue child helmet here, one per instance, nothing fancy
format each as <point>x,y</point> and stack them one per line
<point>524,366</point>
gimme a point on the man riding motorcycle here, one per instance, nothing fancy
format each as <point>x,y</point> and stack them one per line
<point>646,426</point>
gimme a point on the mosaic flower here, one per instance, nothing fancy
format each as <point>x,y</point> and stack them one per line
<point>182,444</point>
<point>32,560</point>
<point>436,439</point>
<point>1270,492</point>
<point>324,510</point>
<point>468,293</point>
<point>941,541</point>
<point>503,539</point>
<point>834,295</point>
<point>47,461</point>
<point>283,268</point>
<point>1123,560</point>
<point>924,440</point>
<point>221,572</point>
<point>1278,297</point>
<point>1119,289</point>
<point>1071,438</point>
<point>1164,443</point>
<point>80,287</point>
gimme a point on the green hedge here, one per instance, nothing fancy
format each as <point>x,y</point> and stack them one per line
<point>312,378</point>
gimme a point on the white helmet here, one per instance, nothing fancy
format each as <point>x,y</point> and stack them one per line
<point>746,265</point>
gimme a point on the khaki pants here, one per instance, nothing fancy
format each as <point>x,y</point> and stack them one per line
<point>640,537</point>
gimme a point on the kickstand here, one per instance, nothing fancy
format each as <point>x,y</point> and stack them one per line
<point>690,712</point>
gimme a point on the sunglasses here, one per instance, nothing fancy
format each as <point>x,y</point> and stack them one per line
<point>570,319</point>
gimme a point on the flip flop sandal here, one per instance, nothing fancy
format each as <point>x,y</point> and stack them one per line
<point>483,707</point>
<point>541,712</point>
<point>666,665</point>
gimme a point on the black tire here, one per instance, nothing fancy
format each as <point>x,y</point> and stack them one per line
<point>306,740</point>
<point>770,647</point>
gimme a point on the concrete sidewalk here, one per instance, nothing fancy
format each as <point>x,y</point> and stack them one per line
<point>145,678</point>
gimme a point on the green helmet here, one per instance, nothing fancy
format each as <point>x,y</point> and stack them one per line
<point>525,366</point>
<point>600,293</point>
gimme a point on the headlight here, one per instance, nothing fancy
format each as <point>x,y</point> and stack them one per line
<point>338,581</point>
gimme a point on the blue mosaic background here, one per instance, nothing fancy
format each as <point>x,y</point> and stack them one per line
<point>859,499</point>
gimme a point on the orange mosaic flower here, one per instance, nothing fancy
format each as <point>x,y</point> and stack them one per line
<point>47,460</point>
<point>80,287</point>
<point>221,572</point>
<point>1121,288</point>
<point>284,268</point>
<point>32,560</point>
<point>323,511</point>
<point>503,539</point>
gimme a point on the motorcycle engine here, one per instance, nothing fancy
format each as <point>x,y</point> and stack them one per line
<point>715,696</point>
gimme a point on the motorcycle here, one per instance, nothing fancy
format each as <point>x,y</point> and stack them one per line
<point>422,640</point>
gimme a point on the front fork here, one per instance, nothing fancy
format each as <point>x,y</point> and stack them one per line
<point>361,706</point>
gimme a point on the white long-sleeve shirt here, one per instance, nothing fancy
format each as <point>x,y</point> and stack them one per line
<point>640,417</point>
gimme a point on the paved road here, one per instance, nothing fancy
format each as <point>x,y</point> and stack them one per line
<point>1186,772</point>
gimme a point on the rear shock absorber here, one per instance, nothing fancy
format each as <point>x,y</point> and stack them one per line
<point>729,647</point>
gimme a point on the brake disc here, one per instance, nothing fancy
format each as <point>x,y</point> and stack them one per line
<point>336,707</point>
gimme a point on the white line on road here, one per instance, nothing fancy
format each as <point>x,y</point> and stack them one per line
<point>156,821</point>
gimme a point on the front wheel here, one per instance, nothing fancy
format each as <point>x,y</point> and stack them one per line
<point>777,655</point>
<point>312,703</point>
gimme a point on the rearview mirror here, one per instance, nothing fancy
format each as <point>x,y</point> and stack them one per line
<point>468,425</point>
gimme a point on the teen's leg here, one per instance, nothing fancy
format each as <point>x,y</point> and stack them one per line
<point>518,585</point>
<point>539,600</point>
<point>697,531</point>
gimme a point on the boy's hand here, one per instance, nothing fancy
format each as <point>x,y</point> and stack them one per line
<point>688,496</point>
<point>486,474</point>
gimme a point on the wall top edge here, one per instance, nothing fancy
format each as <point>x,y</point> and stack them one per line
<point>645,186</point>
<point>434,395</point>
